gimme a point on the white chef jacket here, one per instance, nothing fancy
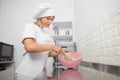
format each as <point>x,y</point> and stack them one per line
<point>33,64</point>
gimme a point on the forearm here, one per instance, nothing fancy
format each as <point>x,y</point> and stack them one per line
<point>33,47</point>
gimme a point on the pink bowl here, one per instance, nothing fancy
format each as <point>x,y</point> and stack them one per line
<point>72,63</point>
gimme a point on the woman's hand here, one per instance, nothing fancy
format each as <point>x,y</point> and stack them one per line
<point>57,49</point>
<point>53,53</point>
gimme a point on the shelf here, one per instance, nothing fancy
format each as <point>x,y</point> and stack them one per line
<point>66,24</point>
<point>63,31</point>
<point>63,38</point>
<point>4,62</point>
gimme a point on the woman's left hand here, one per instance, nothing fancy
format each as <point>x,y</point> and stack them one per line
<point>53,53</point>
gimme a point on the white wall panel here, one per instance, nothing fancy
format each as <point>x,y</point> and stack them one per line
<point>97,30</point>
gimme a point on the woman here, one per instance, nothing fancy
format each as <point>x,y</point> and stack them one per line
<point>38,44</point>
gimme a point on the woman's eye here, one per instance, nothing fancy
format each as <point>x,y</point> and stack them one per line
<point>48,18</point>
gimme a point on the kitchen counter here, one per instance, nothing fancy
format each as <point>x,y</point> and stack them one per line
<point>84,72</point>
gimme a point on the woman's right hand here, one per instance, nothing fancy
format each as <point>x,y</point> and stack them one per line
<point>57,49</point>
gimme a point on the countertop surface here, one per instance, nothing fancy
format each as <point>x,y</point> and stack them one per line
<point>84,72</point>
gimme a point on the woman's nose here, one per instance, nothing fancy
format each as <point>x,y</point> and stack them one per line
<point>50,21</point>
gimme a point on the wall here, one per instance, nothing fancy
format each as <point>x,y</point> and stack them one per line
<point>14,14</point>
<point>97,30</point>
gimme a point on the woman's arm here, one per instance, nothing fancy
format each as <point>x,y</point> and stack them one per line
<point>31,46</point>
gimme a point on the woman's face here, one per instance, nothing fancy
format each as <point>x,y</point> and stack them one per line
<point>46,21</point>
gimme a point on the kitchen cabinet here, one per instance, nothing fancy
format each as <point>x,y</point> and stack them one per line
<point>63,31</point>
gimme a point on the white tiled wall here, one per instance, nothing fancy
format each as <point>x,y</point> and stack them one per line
<point>102,43</point>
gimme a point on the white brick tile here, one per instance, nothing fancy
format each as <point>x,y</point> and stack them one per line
<point>99,52</point>
<point>107,26</point>
<point>111,51</point>
<point>110,33</point>
<point>117,50</point>
<point>115,41</point>
<point>106,43</point>
<point>118,29</point>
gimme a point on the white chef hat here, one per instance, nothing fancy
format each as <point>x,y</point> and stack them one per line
<point>43,10</point>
